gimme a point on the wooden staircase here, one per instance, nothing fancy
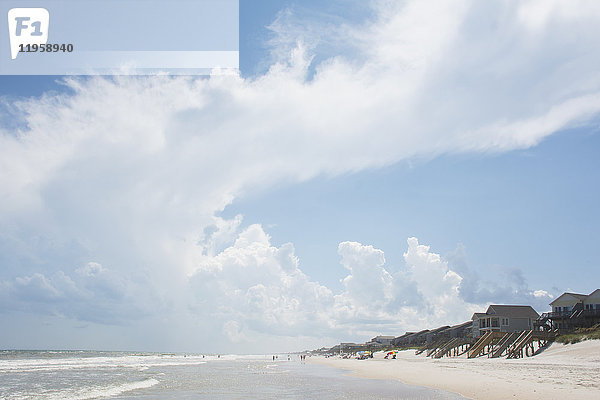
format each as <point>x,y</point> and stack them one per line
<point>516,348</point>
<point>506,340</point>
<point>445,348</point>
<point>429,347</point>
<point>479,346</point>
<point>421,349</point>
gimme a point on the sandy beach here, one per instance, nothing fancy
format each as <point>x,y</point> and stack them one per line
<point>560,372</point>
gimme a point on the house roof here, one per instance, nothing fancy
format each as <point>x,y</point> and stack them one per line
<point>478,315</point>
<point>441,328</point>
<point>424,331</point>
<point>463,325</point>
<point>597,290</point>
<point>406,335</point>
<point>512,311</point>
<point>578,296</point>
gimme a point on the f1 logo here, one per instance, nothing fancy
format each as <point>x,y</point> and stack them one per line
<point>27,26</point>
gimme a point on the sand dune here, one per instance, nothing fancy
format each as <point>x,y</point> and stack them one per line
<point>560,372</point>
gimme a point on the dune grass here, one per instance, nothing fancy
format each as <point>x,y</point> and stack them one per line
<point>580,335</point>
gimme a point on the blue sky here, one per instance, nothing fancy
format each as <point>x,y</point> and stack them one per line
<point>531,209</point>
<point>375,168</point>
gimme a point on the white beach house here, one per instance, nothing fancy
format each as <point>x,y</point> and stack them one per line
<point>568,302</point>
<point>572,310</point>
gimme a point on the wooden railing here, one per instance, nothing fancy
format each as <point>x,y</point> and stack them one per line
<point>569,314</point>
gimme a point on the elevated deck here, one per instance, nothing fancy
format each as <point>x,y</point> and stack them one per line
<point>576,318</point>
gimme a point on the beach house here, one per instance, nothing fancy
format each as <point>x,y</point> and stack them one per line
<point>411,339</point>
<point>459,330</point>
<point>435,334</point>
<point>575,310</point>
<point>383,340</point>
<point>404,340</point>
<point>504,318</point>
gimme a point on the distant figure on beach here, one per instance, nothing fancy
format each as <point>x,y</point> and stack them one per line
<point>273,358</point>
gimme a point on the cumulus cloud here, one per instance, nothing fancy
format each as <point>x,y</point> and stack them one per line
<point>260,285</point>
<point>253,287</point>
<point>132,173</point>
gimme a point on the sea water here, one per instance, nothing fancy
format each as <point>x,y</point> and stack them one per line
<point>82,375</point>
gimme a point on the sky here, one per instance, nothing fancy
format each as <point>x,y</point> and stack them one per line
<point>375,167</point>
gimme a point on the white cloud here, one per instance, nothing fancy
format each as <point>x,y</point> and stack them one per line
<point>93,293</point>
<point>368,283</point>
<point>260,285</point>
<point>253,292</point>
<point>542,294</point>
<point>254,288</point>
<point>233,332</point>
<point>539,14</point>
<point>131,173</point>
<point>36,287</point>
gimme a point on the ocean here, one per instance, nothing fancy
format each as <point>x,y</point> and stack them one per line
<point>82,375</point>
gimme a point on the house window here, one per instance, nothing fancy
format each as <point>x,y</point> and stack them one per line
<point>504,321</point>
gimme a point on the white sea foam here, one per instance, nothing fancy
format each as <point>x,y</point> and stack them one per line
<point>101,391</point>
<point>61,364</point>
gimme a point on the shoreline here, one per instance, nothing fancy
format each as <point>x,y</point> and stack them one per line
<point>559,372</point>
